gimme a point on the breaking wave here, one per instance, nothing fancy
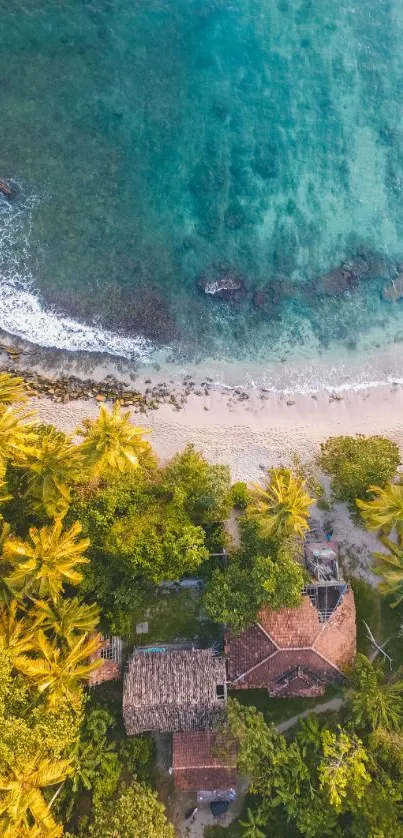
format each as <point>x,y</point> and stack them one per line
<point>22,312</point>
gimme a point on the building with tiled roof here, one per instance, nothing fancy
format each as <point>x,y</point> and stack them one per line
<point>197,765</point>
<point>297,651</point>
<point>173,690</point>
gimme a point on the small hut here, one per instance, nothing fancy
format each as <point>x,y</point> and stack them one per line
<point>110,653</point>
<point>197,765</point>
<point>173,690</point>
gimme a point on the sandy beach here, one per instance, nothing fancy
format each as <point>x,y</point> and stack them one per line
<point>259,431</point>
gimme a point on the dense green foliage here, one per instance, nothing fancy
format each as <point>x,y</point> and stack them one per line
<point>253,579</point>
<point>88,533</point>
<point>135,813</point>
<point>356,463</point>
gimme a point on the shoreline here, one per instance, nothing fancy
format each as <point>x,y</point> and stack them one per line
<point>248,428</point>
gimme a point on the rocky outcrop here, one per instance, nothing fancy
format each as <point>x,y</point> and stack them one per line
<point>223,286</point>
<point>393,291</point>
<point>342,279</point>
<point>5,188</point>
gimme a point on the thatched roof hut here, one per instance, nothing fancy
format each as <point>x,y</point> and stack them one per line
<point>169,691</point>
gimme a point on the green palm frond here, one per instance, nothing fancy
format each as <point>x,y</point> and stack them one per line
<point>385,511</point>
<point>282,508</point>
<point>111,441</point>
<point>66,618</point>
<point>50,468</point>
<point>390,568</point>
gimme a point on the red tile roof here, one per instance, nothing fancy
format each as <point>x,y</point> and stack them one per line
<point>297,638</point>
<point>196,766</point>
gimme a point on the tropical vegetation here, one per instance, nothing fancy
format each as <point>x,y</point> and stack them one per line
<point>89,531</point>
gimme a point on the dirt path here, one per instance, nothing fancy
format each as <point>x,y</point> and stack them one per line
<point>331,706</point>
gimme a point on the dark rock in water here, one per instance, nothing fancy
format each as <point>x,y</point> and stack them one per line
<point>394,290</point>
<point>5,188</point>
<point>260,299</point>
<point>342,279</point>
<point>225,285</point>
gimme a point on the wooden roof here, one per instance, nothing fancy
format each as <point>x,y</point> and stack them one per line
<point>173,691</point>
<point>196,765</point>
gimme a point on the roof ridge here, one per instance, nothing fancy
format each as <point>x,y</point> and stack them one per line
<point>259,625</point>
<point>255,666</point>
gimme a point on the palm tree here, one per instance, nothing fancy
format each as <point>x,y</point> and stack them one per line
<point>22,800</point>
<point>374,701</point>
<point>111,441</point>
<point>66,618</point>
<point>16,632</point>
<point>391,570</point>
<point>47,560</point>
<point>12,389</point>
<point>50,467</point>
<point>252,825</point>
<point>16,433</point>
<point>58,672</point>
<point>385,511</point>
<point>282,508</point>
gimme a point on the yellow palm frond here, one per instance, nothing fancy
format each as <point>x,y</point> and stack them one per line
<point>111,441</point>
<point>47,560</point>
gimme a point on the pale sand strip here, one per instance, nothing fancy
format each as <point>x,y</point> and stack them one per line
<point>259,432</point>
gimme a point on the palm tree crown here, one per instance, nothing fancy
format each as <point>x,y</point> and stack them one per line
<point>58,672</point>
<point>47,560</point>
<point>390,568</point>
<point>16,433</point>
<point>385,511</point>
<point>66,618</point>
<point>50,466</point>
<point>375,701</point>
<point>22,800</point>
<point>282,508</point>
<point>111,441</point>
<point>12,389</point>
<point>16,632</point>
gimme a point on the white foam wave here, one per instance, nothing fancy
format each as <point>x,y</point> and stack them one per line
<point>23,314</point>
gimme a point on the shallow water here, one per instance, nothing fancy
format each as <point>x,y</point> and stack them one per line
<point>155,142</point>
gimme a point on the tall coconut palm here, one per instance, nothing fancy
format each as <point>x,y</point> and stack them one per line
<point>111,441</point>
<point>12,389</point>
<point>57,672</point>
<point>16,631</point>
<point>22,801</point>
<point>375,701</point>
<point>282,508</point>
<point>385,511</point>
<point>66,618</point>
<point>17,436</point>
<point>47,560</point>
<point>390,568</point>
<point>50,467</point>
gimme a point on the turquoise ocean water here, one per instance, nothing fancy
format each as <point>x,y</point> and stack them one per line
<point>155,142</point>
